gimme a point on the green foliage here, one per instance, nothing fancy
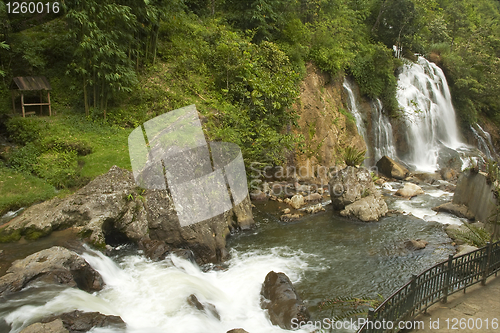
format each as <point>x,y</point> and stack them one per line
<point>349,306</point>
<point>474,235</point>
<point>25,130</point>
<point>353,156</point>
<point>20,189</point>
<point>25,158</point>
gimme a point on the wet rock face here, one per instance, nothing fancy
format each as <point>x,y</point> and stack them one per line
<point>79,322</point>
<point>113,210</point>
<point>56,265</point>
<point>282,301</point>
<point>392,169</point>
<point>353,193</point>
<point>457,210</point>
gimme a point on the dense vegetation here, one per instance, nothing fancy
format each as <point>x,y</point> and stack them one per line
<point>115,63</point>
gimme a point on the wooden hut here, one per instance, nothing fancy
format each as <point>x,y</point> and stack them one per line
<point>30,83</point>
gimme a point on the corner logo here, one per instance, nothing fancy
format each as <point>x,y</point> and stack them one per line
<point>170,152</point>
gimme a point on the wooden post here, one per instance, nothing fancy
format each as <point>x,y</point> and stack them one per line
<point>41,101</point>
<point>50,109</point>
<point>13,102</point>
<point>22,103</point>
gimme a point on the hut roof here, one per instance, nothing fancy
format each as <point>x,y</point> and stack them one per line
<point>31,83</point>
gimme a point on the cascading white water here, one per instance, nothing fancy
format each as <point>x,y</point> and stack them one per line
<point>424,96</point>
<point>484,142</point>
<point>382,132</point>
<point>354,108</point>
<point>151,297</point>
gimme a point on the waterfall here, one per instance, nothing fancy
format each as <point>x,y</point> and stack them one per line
<point>484,142</point>
<point>354,108</point>
<point>382,132</point>
<point>424,96</point>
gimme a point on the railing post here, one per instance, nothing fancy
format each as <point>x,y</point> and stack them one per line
<point>447,278</point>
<point>371,316</point>
<point>487,268</point>
<point>411,298</point>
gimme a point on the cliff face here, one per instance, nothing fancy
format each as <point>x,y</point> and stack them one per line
<point>323,122</point>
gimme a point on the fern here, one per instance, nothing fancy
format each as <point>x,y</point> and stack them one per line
<point>353,156</point>
<point>475,236</point>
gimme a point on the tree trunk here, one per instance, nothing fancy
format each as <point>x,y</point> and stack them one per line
<point>85,102</point>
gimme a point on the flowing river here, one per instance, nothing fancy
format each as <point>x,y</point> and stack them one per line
<point>324,255</point>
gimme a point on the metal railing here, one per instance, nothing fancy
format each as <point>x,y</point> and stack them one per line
<point>432,286</point>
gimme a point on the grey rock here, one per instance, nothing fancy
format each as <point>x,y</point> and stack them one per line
<point>206,307</point>
<point>314,209</point>
<point>458,210</point>
<point>392,169</point>
<point>367,209</point>
<point>410,190</point>
<point>79,322</point>
<point>414,245</point>
<point>282,301</point>
<point>353,193</point>
<point>297,201</point>
<point>113,210</point>
<point>55,326</point>
<point>313,197</point>
<point>55,265</point>
<point>290,217</point>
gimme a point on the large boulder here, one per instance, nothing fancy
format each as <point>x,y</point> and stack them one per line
<point>392,169</point>
<point>353,192</point>
<point>112,210</point>
<point>410,190</point>
<point>367,209</point>
<point>56,265</point>
<point>282,301</point>
<point>458,210</point>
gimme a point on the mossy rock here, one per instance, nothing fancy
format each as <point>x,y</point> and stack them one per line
<point>9,236</point>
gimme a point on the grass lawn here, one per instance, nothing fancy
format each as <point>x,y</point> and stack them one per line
<point>108,145</point>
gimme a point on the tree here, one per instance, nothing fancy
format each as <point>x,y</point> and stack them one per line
<point>102,32</point>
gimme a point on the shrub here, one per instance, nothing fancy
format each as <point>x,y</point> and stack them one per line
<point>353,156</point>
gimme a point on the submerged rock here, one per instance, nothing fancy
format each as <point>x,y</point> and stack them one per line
<point>410,190</point>
<point>206,307</point>
<point>56,265</point>
<point>282,301</point>
<point>414,245</point>
<point>79,321</point>
<point>392,169</point>
<point>55,326</point>
<point>113,210</point>
<point>289,217</point>
<point>237,330</point>
<point>314,209</point>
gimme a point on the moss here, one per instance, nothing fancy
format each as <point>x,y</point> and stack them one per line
<point>35,233</point>
<point>9,236</point>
